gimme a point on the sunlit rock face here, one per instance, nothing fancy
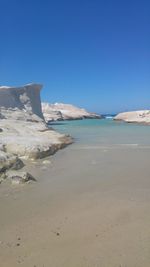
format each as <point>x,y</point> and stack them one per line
<point>60,111</point>
<point>22,103</point>
<point>23,130</point>
<point>140,116</point>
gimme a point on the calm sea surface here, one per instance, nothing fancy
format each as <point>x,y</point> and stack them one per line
<point>105,132</point>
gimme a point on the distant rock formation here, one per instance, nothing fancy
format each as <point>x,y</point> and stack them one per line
<point>23,131</point>
<point>141,116</point>
<point>59,111</point>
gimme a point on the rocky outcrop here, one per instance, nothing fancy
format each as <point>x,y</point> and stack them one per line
<point>59,111</point>
<point>23,131</point>
<point>21,103</point>
<point>52,115</point>
<point>8,161</point>
<point>141,116</point>
<point>31,140</point>
<point>19,177</point>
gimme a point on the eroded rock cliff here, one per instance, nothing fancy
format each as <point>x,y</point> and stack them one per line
<point>23,131</point>
<point>21,103</point>
<point>59,111</point>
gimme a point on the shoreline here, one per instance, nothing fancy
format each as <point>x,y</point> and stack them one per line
<point>88,207</point>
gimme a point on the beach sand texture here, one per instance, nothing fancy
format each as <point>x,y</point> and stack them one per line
<point>89,207</point>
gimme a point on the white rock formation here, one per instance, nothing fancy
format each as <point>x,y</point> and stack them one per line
<point>30,139</point>
<point>51,115</point>
<point>141,116</point>
<point>23,131</point>
<point>21,103</point>
<point>59,111</point>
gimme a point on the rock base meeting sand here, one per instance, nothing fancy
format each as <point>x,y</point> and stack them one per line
<point>23,130</point>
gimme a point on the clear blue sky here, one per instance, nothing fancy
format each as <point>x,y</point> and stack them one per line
<point>92,53</point>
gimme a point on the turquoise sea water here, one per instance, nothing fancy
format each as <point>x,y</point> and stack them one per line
<point>105,132</point>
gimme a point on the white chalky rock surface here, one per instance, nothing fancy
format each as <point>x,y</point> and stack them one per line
<point>140,116</point>
<point>60,111</point>
<point>23,131</point>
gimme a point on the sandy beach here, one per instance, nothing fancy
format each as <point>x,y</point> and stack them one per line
<point>75,133</point>
<point>88,208</point>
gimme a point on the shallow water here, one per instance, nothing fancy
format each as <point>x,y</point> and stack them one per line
<point>105,132</point>
<point>90,205</point>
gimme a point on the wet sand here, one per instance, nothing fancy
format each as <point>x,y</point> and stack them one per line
<point>89,208</point>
